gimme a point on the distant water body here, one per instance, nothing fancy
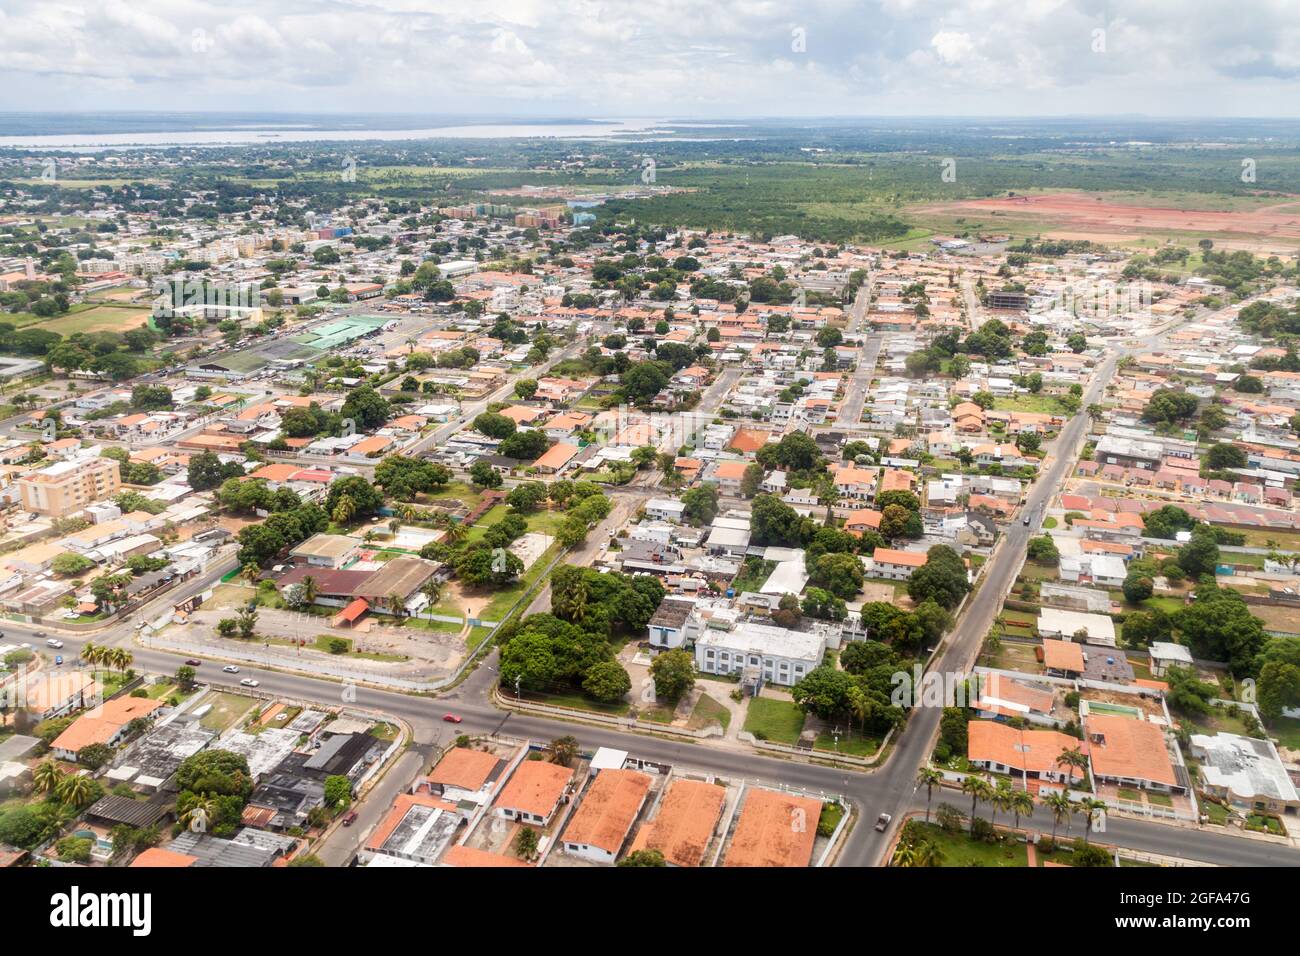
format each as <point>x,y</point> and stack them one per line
<point>272,133</point>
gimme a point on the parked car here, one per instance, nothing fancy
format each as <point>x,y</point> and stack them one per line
<point>349,818</point>
<point>882,822</point>
<point>451,718</point>
<point>249,682</point>
<point>58,661</point>
<point>193,662</point>
<point>231,669</point>
<point>40,634</point>
<point>52,642</point>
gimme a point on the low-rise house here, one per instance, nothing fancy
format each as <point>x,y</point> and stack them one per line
<point>1245,771</point>
<point>774,830</point>
<point>107,724</point>
<point>604,818</point>
<point>895,565</point>
<point>1031,754</point>
<point>684,823</point>
<point>1131,753</point>
<point>534,792</point>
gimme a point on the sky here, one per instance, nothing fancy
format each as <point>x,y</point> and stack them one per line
<point>659,58</point>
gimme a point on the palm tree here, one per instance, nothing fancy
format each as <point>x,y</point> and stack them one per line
<point>309,590</point>
<point>121,658</point>
<point>1000,799</point>
<point>1022,801</point>
<point>251,572</point>
<point>394,526</point>
<point>432,591</point>
<point>91,653</point>
<point>1061,806</point>
<point>396,604</point>
<point>197,808</point>
<point>563,750</point>
<point>1090,807</point>
<point>47,776</point>
<point>1072,759</point>
<point>928,777</point>
<point>74,789</point>
<point>977,788</point>
<point>927,854</point>
<point>828,494</point>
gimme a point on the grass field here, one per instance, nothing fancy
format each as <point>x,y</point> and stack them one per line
<point>708,711</point>
<point>779,721</point>
<point>958,849</point>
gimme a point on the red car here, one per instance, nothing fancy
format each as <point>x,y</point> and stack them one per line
<point>451,718</point>
<point>350,818</point>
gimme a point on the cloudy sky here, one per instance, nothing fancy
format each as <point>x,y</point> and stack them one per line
<point>679,58</point>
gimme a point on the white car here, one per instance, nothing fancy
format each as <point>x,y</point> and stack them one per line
<point>231,669</point>
<point>54,643</point>
<point>249,682</point>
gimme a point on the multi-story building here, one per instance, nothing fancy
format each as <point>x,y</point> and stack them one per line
<point>69,486</point>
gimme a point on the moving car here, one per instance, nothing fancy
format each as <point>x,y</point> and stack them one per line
<point>231,669</point>
<point>249,682</point>
<point>882,822</point>
<point>1026,518</point>
<point>349,818</point>
<point>58,661</point>
<point>56,644</point>
<point>451,718</point>
<point>193,662</point>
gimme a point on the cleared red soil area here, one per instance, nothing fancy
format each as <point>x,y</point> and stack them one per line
<point>1084,213</point>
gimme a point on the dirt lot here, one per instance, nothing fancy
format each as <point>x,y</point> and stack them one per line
<point>1087,216</point>
<point>1278,617</point>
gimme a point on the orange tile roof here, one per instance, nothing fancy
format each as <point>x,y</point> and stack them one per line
<point>1031,750</point>
<point>158,856</point>
<point>1124,747</point>
<point>608,809</point>
<point>910,559</point>
<point>535,787</point>
<point>464,768</point>
<point>467,856</point>
<point>99,726</point>
<point>1062,655</point>
<point>774,829</point>
<point>731,469</point>
<point>276,472</point>
<point>684,823</point>
<point>557,456</point>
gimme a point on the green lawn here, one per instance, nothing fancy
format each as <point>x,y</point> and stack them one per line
<point>753,575</point>
<point>853,743</point>
<point>958,849</point>
<point>1043,404</point>
<point>708,711</point>
<point>1286,731</point>
<point>226,710</point>
<point>779,721</point>
<point>491,517</point>
<point>575,700</point>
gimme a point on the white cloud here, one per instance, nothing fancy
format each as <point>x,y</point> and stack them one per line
<point>666,57</point>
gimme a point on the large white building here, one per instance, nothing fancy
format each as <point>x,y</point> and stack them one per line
<point>780,655</point>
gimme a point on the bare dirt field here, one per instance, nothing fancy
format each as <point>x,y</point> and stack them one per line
<point>1080,215</point>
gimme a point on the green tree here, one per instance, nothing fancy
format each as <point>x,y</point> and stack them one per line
<point>673,673</point>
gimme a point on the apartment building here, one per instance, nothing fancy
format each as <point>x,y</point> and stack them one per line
<point>69,486</point>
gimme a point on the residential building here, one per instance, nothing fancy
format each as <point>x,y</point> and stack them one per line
<point>69,486</point>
